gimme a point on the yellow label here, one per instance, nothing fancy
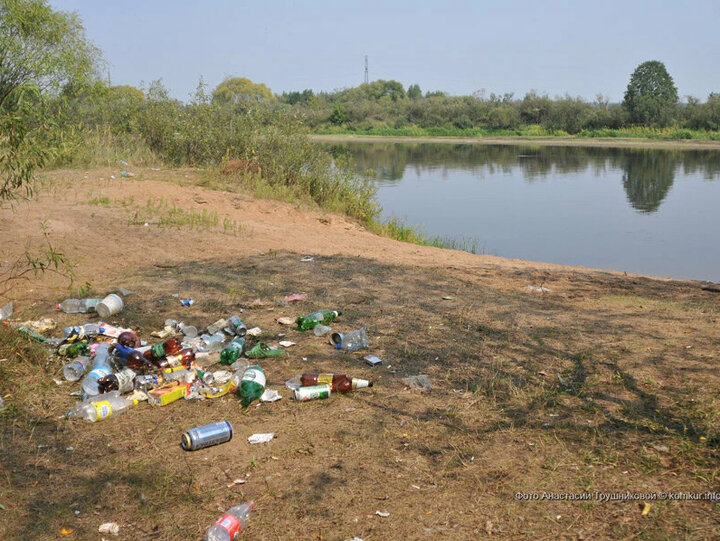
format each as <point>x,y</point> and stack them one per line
<point>325,379</point>
<point>103,409</point>
<point>166,395</point>
<point>225,389</point>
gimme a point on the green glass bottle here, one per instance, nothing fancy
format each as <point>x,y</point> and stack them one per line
<point>233,350</point>
<point>76,349</point>
<point>323,317</point>
<point>252,385</point>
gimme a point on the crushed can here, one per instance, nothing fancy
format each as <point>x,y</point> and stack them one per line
<point>206,436</point>
<point>314,392</point>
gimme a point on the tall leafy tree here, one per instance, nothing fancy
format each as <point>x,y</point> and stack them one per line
<point>41,51</point>
<point>651,95</point>
<point>239,90</point>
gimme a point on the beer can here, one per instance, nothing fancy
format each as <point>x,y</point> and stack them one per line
<point>206,436</point>
<point>315,392</point>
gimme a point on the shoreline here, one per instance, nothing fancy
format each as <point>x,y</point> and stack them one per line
<point>603,142</point>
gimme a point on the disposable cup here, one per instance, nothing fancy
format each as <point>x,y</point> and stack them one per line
<point>110,305</point>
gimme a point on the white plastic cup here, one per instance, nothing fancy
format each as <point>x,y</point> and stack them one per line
<point>110,305</point>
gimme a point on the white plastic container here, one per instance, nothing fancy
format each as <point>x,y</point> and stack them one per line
<point>110,305</point>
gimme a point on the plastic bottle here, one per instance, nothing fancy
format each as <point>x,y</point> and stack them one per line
<point>252,385</point>
<point>323,317</point>
<point>321,330</point>
<point>76,369</point>
<point>156,353</point>
<point>78,306</point>
<point>350,341</point>
<point>217,326</point>
<point>229,526</point>
<point>182,358</point>
<point>31,333</point>
<point>102,407</point>
<point>101,368</point>
<point>340,383</point>
<point>233,350</point>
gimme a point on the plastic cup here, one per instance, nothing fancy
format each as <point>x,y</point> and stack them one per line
<point>110,305</point>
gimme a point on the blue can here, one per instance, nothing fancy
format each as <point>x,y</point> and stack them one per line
<point>206,436</point>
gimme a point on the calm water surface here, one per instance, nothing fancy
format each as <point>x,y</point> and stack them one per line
<point>652,212</point>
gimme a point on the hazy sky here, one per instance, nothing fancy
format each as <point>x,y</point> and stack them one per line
<point>581,47</point>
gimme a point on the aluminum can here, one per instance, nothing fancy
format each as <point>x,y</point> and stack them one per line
<point>314,392</point>
<point>206,436</point>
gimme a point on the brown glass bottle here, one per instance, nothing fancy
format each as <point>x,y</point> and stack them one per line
<point>183,357</point>
<point>129,339</point>
<point>136,360</point>
<point>339,383</point>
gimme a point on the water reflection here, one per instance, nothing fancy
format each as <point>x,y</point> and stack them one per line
<point>647,175</point>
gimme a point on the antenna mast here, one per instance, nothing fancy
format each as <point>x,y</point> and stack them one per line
<point>366,70</point>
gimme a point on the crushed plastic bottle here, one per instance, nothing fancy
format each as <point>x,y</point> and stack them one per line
<point>321,330</point>
<point>80,332</point>
<point>321,317</point>
<point>213,342</point>
<point>350,341</point>
<point>78,306</point>
<point>231,524</point>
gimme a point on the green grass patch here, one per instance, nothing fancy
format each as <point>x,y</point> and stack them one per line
<point>164,214</point>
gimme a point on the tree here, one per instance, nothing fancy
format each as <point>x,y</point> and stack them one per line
<point>41,51</point>
<point>651,95</point>
<point>414,92</point>
<point>239,90</point>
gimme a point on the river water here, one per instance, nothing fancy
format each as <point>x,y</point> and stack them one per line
<point>654,212</point>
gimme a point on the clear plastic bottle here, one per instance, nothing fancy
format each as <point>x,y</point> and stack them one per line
<point>213,342</point>
<point>321,330</point>
<point>78,306</point>
<point>101,368</point>
<point>229,526</point>
<point>350,341</point>
<point>76,369</point>
<point>102,407</point>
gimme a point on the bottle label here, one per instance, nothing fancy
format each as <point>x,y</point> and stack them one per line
<point>325,379</point>
<point>125,380</point>
<point>252,374</point>
<point>231,525</point>
<point>103,409</point>
<point>158,351</point>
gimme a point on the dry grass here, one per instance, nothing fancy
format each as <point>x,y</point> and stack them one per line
<point>588,388</point>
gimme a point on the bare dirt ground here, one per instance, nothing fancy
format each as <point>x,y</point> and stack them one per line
<point>603,384</point>
<point>568,141</point>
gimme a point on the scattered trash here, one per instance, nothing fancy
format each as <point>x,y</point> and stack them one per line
<point>109,527</point>
<point>645,508</point>
<point>315,392</point>
<point>321,330</point>
<point>252,385</point>
<point>307,258</point>
<point>78,306</point>
<point>229,526</point>
<point>6,311</point>
<point>254,332</point>
<point>383,514</point>
<point>66,531</point>
<point>350,341</point>
<point>293,383</point>
<point>285,320</point>
<point>232,351</point>
<point>237,482</point>
<point>109,306</point>
<point>126,174</point>
<point>262,351</point>
<point>270,395</point>
<point>372,360</point>
<point>101,407</point>
<point>206,436</point>
<point>295,297</point>
<point>187,302</point>
<point>340,383</point>
<point>261,438</point>
<point>321,317</point>
<point>661,448</point>
<point>448,298</point>
<point>537,289</point>
<point>420,382</point>
<point>286,343</point>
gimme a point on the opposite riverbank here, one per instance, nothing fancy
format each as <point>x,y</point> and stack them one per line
<point>608,142</point>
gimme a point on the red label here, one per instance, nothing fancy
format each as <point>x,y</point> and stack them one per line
<point>230,524</point>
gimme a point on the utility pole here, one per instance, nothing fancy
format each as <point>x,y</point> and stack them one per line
<point>366,71</point>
